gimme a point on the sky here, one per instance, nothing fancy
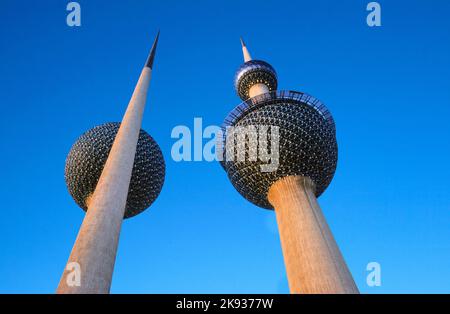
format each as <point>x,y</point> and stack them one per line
<point>387,87</point>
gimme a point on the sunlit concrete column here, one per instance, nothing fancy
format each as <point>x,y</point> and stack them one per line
<point>96,244</point>
<point>313,261</point>
<point>258,89</point>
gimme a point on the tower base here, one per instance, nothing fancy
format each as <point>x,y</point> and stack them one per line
<point>313,261</point>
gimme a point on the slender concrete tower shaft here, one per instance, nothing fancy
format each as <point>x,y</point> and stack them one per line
<point>313,261</point>
<point>307,161</point>
<point>95,248</point>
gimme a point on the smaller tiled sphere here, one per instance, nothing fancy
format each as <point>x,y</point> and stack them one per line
<point>87,157</point>
<point>254,72</point>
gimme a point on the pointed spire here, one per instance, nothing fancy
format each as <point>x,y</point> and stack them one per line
<point>247,56</point>
<point>151,56</point>
<point>242,42</point>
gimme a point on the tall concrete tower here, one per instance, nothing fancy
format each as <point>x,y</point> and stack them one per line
<point>114,171</point>
<point>306,162</point>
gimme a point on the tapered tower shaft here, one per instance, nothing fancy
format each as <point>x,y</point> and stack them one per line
<point>313,261</point>
<point>94,251</point>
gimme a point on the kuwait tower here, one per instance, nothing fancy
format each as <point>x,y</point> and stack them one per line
<point>305,140</point>
<point>113,171</point>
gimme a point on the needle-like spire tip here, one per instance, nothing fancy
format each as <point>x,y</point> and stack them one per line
<point>247,56</point>
<point>151,56</point>
<point>242,42</point>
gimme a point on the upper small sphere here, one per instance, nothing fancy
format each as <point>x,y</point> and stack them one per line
<point>253,72</point>
<point>87,157</point>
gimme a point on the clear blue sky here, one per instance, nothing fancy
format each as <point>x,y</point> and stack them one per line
<point>388,89</point>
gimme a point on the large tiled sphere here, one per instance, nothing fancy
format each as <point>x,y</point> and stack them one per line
<point>87,158</point>
<point>307,143</point>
